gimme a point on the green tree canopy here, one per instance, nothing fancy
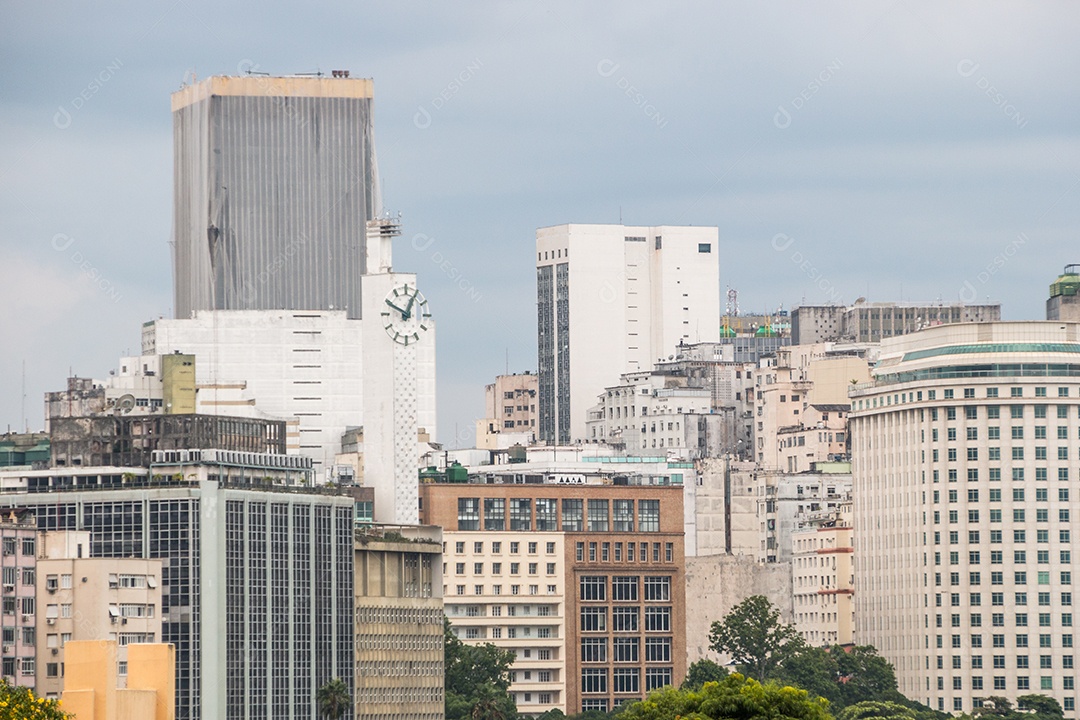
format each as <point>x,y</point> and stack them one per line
<point>477,680</point>
<point>20,702</point>
<point>755,638</point>
<point>842,676</point>
<point>875,710</point>
<point>333,699</point>
<point>736,697</point>
<point>701,672</point>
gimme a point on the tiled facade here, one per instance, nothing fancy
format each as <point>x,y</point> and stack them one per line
<point>586,583</point>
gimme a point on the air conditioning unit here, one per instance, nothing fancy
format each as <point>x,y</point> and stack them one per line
<point>50,621</point>
<point>55,651</point>
<point>9,588</point>
<point>9,649</point>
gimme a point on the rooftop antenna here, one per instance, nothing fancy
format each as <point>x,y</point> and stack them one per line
<point>26,423</point>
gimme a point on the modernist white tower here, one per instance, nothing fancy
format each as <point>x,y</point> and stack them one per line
<point>613,299</point>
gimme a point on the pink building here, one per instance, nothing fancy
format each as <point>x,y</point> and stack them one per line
<point>18,603</point>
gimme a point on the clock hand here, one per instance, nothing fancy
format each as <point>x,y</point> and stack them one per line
<point>408,308</point>
<point>404,313</point>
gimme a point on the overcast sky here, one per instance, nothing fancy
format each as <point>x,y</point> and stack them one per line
<point>892,150</point>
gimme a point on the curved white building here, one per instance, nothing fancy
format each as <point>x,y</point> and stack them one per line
<point>966,456</point>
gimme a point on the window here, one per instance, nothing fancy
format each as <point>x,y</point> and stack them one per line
<point>658,588</point>
<point>593,588</point>
<point>626,649</point>
<point>623,516</point>
<point>598,515</point>
<point>658,649</point>
<point>624,619</point>
<point>649,516</point>
<point>658,619</point>
<point>546,517</point>
<point>624,588</point>
<point>520,514</point>
<point>573,515</point>
<point>468,516</point>
<point>626,680</point>
<point>657,677</point>
<point>494,513</point>
<point>593,619</point>
<point>594,680</point>
<point>593,649</point>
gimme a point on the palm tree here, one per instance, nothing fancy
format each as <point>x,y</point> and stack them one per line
<point>333,699</point>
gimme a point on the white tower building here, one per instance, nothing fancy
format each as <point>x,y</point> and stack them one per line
<point>613,299</point>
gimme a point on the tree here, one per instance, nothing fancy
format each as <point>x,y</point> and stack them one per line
<point>333,699</point>
<point>701,672</point>
<point>842,676</point>
<point>19,702</point>
<point>755,638</point>
<point>477,680</point>
<point>874,710</point>
<point>736,697</point>
<point>1040,707</point>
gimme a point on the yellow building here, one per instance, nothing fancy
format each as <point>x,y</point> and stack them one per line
<point>92,694</point>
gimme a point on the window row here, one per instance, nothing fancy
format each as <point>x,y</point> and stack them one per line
<point>542,515</point>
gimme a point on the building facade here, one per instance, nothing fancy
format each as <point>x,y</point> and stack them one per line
<point>297,238</point>
<point>612,299</point>
<point>966,446</point>
<point>509,407</point>
<point>257,583</point>
<point>94,599</point>
<point>584,583</point>
<point>400,644</point>
<point>18,601</point>
<point>876,321</point>
<point>822,577</point>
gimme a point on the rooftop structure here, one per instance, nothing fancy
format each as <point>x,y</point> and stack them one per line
<point>1064,300</point>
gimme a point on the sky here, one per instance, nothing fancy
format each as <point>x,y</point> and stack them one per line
<point>887,150</point>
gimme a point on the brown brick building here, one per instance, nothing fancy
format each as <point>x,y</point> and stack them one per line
<point>583,582</point>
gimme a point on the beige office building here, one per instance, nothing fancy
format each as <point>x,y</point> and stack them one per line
<point>399,624</point>
<point>966,449</point>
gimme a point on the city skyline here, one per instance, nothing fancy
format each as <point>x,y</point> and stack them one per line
<point>918,128</point>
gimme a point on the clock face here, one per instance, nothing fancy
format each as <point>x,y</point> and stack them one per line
<point>406,316</point>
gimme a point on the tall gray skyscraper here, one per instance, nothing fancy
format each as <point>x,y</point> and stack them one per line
<point>274,184</point>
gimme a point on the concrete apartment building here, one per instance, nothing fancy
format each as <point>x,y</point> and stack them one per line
<point>873,322</point>
<point>649,412</point>
<point>18,596</point>
<point>511,399</point>
<point>400,644</point>
<point>613,299</point>
<point>1064,301</point>
<point>822,576</point>
<point>91,598</point>
<point>965,448</point>
<point>583,582</point>
<point>799,394</point>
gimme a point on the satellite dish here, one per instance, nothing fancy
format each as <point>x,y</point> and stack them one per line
<point>125,403</point>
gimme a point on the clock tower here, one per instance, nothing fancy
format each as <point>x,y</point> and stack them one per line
<point>398,372</point>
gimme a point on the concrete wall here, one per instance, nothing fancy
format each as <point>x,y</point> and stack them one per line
<point>717,583</point>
